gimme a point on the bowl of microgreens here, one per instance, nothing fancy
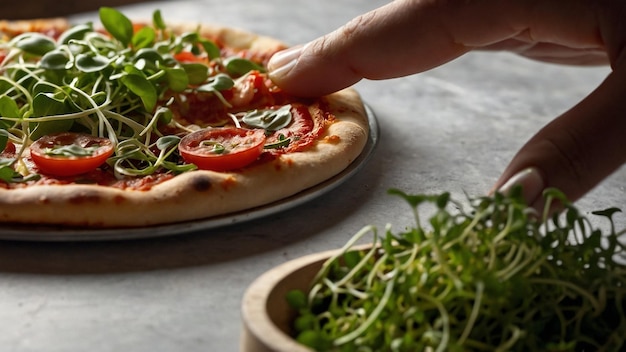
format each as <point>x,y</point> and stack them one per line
<point>484,274</point>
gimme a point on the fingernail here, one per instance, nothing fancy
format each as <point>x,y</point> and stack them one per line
<point>531,181</point>
<point>283,61</point>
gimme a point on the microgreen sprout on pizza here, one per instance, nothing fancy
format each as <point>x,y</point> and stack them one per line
<point>129,123</point>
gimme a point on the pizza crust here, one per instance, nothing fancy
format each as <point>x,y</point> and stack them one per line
<point>13,28</point>
<point>201,194</point>
<point>233,37</point>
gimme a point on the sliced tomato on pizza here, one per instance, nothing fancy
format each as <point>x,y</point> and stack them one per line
<point>70,153</point>
<point>222,148</point>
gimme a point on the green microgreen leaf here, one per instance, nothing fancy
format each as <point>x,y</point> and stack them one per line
<point>166,142</point>
<point>89,63</point>
<point>76,32</point>
<point>133,158</point>
<point>282,142</point>
<point>71,150</point>
<point>4,139</point>
<point>213,146</point>
<point>55,60</point>
<point>8,107</point>
<point>237,66</point>
<point>269,119</point>
<point>212,50</point>
<point>177,79</point>
<point>413,200</point>
<point>157,20</point>
<point>140,86</point>
<point>7,174</point>
<point>296,299</point>
<point>35,44</point>
<point>218,83</point>
<point>150,55</point>
<point>189,37</point>
<point>47,104</point>
<point>43,128</point>
<point>164,114</point>
<point>136,69</point>
<point>143,38</point>
<point>197,73</point>
<point>118,25</point>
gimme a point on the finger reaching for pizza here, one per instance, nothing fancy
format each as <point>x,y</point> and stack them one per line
<point>573,153</point>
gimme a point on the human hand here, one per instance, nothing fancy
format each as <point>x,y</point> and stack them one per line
<point>573,153</point>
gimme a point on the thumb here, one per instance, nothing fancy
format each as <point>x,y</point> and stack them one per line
<point>577,150</point>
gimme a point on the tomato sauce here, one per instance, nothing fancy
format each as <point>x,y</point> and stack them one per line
<point>202,109</point>
<point>102,177</point>
<point>303,131</point>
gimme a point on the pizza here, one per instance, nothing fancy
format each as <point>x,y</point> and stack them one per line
<point>130,123</point>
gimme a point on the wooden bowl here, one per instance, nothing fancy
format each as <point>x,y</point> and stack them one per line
<point>266,315</point>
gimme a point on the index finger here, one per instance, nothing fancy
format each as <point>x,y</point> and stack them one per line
<point>410,36</point>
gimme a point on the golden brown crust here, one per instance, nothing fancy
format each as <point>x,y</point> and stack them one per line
<point>233,37</point>
<point>12,28</point>
<point>201,194</point>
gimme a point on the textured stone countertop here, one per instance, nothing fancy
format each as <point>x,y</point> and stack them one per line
<point>453,128</point>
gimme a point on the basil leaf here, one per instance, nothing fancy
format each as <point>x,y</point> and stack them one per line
<point>269,119</point>
<point>118,25</point>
